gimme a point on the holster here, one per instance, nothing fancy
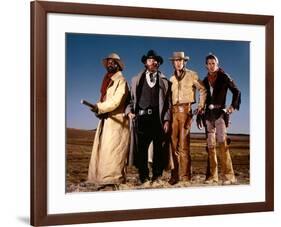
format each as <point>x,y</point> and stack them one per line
<point>201,120</point>
<point>226,118</point>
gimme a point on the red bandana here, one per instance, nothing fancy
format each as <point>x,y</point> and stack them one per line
<point>212,79</point>
<point>105,83</point>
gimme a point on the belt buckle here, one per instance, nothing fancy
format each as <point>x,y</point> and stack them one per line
<point>211,106</point>
<point>141,112</point>
<point>181,109</point>
<point>149,111</point>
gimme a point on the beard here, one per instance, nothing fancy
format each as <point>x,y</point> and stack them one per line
<point>152,68</point>
<point>111,69</point>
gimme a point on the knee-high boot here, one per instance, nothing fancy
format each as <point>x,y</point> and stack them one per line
<point>213,165</point>
<point>226,163</point>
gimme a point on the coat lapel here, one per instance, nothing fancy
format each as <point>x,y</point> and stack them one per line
<point>162,93</point>
<point>163,87</point>
<point>135,86</point>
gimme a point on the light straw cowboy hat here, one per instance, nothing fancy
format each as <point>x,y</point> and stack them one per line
<point>178,56</point>
<point>115,57</point>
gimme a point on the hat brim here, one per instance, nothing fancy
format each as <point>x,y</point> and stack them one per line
<point>119,62</point>
<point>157,58</point>
<point>185,58</point>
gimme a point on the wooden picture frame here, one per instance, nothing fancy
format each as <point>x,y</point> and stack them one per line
<point>39,116</point>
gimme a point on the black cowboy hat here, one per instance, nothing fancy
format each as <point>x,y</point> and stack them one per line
<point>152,54</point>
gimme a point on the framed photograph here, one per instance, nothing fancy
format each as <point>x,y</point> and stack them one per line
<point>70,47</point>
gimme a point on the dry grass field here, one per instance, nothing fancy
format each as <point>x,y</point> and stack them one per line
<point>79,147</point>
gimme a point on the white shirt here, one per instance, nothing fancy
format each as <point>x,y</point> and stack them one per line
<point>211,89</point>
<point>154,79</point>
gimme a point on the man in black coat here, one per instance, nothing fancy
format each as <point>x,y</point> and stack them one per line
<point>150,111</point>
<point>217,83</point>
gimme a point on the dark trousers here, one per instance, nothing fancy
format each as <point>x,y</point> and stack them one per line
<point>149,129</point>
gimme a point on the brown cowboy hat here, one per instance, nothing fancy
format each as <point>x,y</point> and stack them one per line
<point>115,57</point>
<point>179,55</point>
<point>152,54</point>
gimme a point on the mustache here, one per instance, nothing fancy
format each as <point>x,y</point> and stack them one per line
<point>154,65</point>
<point>111,69</point>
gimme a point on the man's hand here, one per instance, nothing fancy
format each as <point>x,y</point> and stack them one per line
<point>200,121</point>
<point>230,110</point>
<point>198,111</point>
<point>95,108</point>
<point>166,126</point>
<point>131,115</point>
<point>102,116</point>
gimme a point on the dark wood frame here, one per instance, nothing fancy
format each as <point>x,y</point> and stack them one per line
<point>39,11</point>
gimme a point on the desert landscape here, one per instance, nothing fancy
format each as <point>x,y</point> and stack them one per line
<point>79,148</point>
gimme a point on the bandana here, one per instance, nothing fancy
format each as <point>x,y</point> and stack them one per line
<point>182,73</point>
<point>212,78</point>
<point>105,83</point>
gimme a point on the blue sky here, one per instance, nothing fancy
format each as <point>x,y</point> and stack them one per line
<point>84,71</point>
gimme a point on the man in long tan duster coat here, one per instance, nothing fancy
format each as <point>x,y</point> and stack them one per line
<point>111,141</point>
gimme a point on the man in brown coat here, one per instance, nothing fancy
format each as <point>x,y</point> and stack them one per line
<point>184,85</point>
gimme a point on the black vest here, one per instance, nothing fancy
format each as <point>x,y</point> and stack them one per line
<point>148,97</point>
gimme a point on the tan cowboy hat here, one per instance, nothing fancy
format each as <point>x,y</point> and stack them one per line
<point>179,55</point>
<point>116,58</point>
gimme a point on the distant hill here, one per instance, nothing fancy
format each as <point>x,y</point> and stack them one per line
<point>82,134</point>
<point>233,137</point>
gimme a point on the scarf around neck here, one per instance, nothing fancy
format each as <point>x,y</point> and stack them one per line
<point>105,83</point>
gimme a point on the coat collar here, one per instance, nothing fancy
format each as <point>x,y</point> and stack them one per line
<point>116,76</point>
<point>185,72</point>
<point>162,78</point>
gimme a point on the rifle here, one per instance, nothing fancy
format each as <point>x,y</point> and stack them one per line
<point>94,109</point>
<point>92,106</point>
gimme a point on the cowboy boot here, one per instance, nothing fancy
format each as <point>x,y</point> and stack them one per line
<point>213,163</point>
<point>226,163</point>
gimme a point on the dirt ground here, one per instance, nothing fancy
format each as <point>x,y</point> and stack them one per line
<point>79,147</point>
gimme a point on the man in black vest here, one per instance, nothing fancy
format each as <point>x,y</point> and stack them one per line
<point>150,111</point>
